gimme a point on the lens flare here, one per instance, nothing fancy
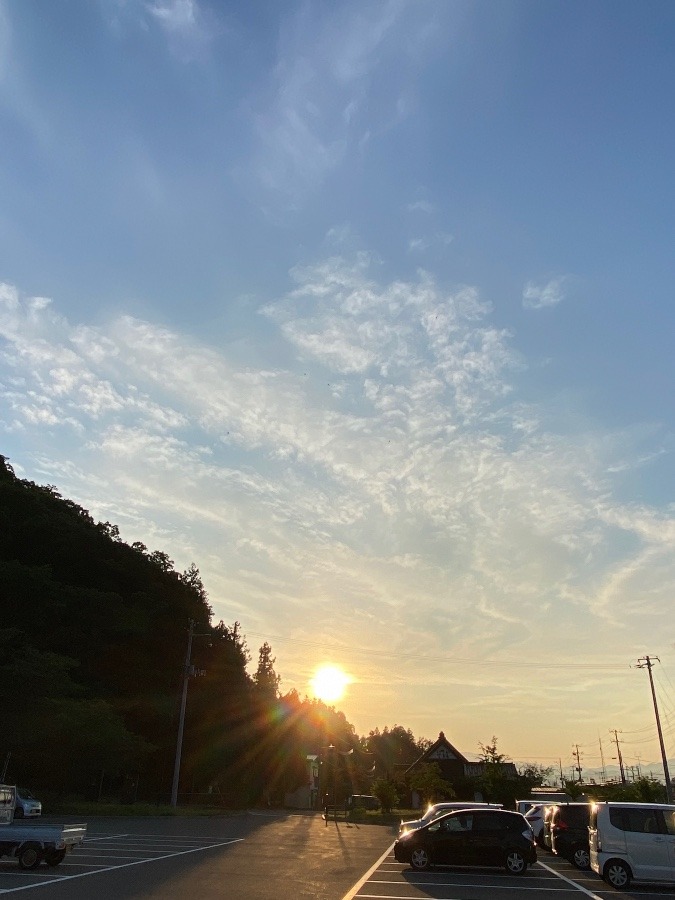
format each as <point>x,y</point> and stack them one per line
<point>329,683</point>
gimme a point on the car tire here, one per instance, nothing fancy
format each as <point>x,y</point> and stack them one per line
<point>18,812</point>
<point>617,874</point>
<point>55,857</point>
<point>30,856</point>
<point>420,859</point>
<point>581,858</point>
<point>515,863</point>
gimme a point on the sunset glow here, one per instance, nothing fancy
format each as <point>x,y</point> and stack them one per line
<point>329,683</point>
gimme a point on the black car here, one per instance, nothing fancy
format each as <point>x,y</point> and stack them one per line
<point>472,837</point>
<point>569,833</point>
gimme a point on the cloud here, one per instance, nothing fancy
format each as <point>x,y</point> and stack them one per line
<point>389,466</point>
<point>539,296</point>
<point>187,28</point>
<point>315,109</point>
<point>421,244</point>
<point>421,206</point>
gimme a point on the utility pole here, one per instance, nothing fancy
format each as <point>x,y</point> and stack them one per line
<point>181,721</point>
<point>602,761</point>
<point>577,755</point>
<point>618,756</point>
<point>645,662</point>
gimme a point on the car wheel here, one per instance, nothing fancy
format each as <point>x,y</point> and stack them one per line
<point>18,812</point>
<point>581,858</point>
<point>29,856</point>
<point>617,874</point>
<point>55,857</point>
<point>515,863</point>
<point>420,859</point>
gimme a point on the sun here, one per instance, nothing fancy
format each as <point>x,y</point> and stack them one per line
<point>329,683</point>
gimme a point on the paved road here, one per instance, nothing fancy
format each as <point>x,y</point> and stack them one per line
<point>261,856</point>
<point>252,856</point>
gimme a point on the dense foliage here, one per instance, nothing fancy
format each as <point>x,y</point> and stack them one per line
<point>93,637</point>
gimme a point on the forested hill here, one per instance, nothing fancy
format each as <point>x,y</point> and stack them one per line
<point>93,636</point>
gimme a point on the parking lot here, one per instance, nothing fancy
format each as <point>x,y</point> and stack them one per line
<point>550,878</point>
<point>260,856</point>
<point>101,853</point>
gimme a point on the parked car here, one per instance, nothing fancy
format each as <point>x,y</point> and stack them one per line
<point>542,798</point>
<point>440,809</point>
<point>535,817</point>
<point>545,836</point>
<point>569,833</point>
<point>632,841</point>
<point>472,837</point>
<point>26,805</point>
<point>363,801</point>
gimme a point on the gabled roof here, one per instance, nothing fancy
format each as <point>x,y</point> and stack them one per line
<point>440,751</point>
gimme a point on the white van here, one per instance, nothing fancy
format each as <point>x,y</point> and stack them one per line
<point>632,841</point>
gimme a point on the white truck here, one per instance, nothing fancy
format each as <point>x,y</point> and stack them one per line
<point>31,844</point>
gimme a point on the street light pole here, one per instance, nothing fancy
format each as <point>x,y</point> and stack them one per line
<point>181,720</point>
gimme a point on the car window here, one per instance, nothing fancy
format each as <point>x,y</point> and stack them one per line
<point>573,815</point>
<point>488,823</point>
<point>634,819</point>
<point>669,819</point>
<point>457,823</point>
<point>434,814</point>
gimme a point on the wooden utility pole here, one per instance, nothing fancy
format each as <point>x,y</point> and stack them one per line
<point>645,662</point>
<point>618,756</point>
<point>577,755</point>
<point>181,719</point>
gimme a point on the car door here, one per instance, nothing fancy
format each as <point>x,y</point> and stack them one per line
<point>650,853</point>
<point>451,839</point>
<point>668,819</point>
<point>487,839</point>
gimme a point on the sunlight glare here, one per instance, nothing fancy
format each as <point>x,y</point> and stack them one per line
<point>329,683</point>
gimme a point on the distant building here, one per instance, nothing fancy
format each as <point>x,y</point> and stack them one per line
<point>454,766</point>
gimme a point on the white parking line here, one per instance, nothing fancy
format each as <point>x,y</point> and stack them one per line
<point>569,881</point>
<point>359,884</point>
<point>105,837</point>
<point>136,862</point>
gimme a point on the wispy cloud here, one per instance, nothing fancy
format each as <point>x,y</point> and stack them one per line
<point>540,296</point>
<point>390,466</point>
<point>439,240</point>
<point>316,108</point>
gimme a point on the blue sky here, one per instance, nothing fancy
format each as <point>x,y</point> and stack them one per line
<point>366,309</point>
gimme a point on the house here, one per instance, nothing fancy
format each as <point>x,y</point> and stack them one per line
<point>454,766</point>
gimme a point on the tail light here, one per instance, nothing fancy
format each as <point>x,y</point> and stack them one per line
<point>561,826</point>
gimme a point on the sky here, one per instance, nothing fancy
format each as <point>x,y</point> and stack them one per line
<point>367,310</point>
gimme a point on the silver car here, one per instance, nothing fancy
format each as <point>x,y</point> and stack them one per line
<point>440,809</point>
<point>26,805</point>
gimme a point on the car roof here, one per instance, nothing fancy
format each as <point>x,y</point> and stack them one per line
<point>635,804</point>
<point>485,810</point>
